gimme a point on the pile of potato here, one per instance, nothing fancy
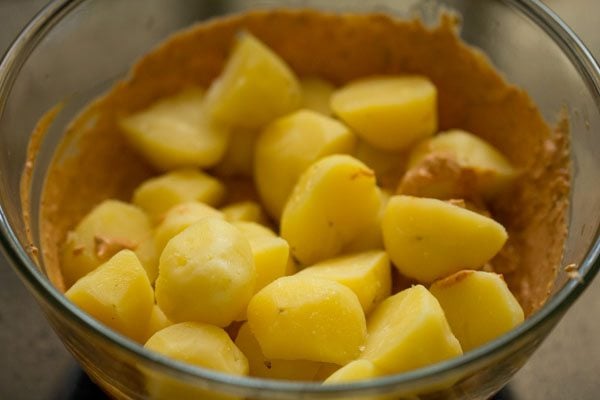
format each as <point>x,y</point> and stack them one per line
<point>357,191</point>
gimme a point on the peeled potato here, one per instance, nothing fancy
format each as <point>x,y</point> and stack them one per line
<point>248,211</point>
<point>333,202</point>
<point>356,370</point>
<point>493,172</point>
<point>263,367</point>
<point>367,274</point>
<point>157,195</point>
<point>239,157</point>
<point>157,322</point>
<point>388,166</point>
<point>408,331</point>
<point>478,305</point>
<point>371,238</point>
<point>206,274</point>
<point>428,239</point>
<point>110,227</point>
<point>316,94</point>
<point>176,132</point>
<point>390,113</point>
<point>118,294</point>
<point>148,255</point>
<point>255,87</point>
<point>305,318</point>
<point>288,146</point>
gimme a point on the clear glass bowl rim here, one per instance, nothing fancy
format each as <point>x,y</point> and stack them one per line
<point>53,13</point>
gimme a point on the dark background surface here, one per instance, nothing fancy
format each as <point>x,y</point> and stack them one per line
<point>35,365</point>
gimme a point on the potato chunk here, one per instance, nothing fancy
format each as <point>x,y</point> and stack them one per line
<point>270,252</point>
<point>157,195</point>
<point>239,157</point>
<point>118,294</point>
<point>289,146</point>
<point>316,94</point>
<point>255,87</point>
<point>409,331</point>
<point>388,166</point>
<point>367,274</point>
<point>248,211</point>
<point>333,202</point>
<point>176,132</point>
<point>111,226</point>
<point>371,238</point>
<point>206,273</point>
<point>157,322</point>
<point>390,113</point>
<point>304,318</point>
<point>493,172</point>
<point>197,344</point>
<point>148,255</point>
<point>478,305</point>
<point>428,239</point>
<point>263,367</point>
<point>356,370</point>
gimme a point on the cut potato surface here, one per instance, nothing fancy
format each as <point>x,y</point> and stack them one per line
<point>176,132</point>
<point>334,201</point>
<point>408,331</point>
<point>118,294</point>
<point>110,227</point>
<point>239,157</point>
<point>157,322</point>
<point>367,274</point>
<point>157,195</point>
<point>248,211</point>
<point>428,239</point>
<point>371,238</point>
<point>148,254</point>
<point>356,370</point>
<point>206,274</point>
<point>263,367</point>
<point>390,113</point>
<point>288,146</point>
<point>388,166</point>
<point>316,94</point>
<point>493,171</point>
<point>255,87</point>
<point>478,305</point>
<point>305,318</point>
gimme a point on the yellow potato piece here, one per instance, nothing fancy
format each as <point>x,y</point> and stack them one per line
<point>356,370</point>
<point>255,87</point>
<point>248,211</point>
<point>176,132</point>
<point>409,331</point>
<point>428,239</point>
<point>288,146</point>
<point>206,274</point>
<point>180,217</point>
<point>334,201</point>
<point>118,294</point>
<point>493,171</point>
<point>388,112</point>
<point>157,322</point>
<point>263,367</point>
<point>304,318</point>
<point>157,195</point>
<point>367,274</point>
<point>270,252</point>
<point>388,166</point>
<point>478,305</point>
<point>111,226</point>
<point>371,238</point>
<point>148,255</point>
<point>198,344</point>
<point>316,94</point>
<point>239,157</point>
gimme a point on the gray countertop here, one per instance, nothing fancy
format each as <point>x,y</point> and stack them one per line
<point>35,365</point>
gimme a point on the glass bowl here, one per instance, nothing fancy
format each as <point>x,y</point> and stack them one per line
<point>73,50</point>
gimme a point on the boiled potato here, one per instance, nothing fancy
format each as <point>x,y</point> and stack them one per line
<point>333,202</point>
<point>428,239</point>
<point>288,146</point>
<point>176,132</point>
<point>197,344</point>
<point>270,252</point>
<point>157,322</point>
<point>388,166</point>
<point>118,294</point>
<point>408,331</point>
<point>239,157</point>
<point>148,254</point>
<point>388,112</point>
<point>371,237</point>
<point>157,195</point>
<point>180,217</point>
<point>206,273</point>
<point>367,274</point>
<point>111,226</point>
<point>316,94</point>
<point>263,367</point>
<point>255,87</point>
<point>305,318</point>
<point>492,170</point>
<point>356,370</point>
<point>248,211</point>
<point>478,305</point>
